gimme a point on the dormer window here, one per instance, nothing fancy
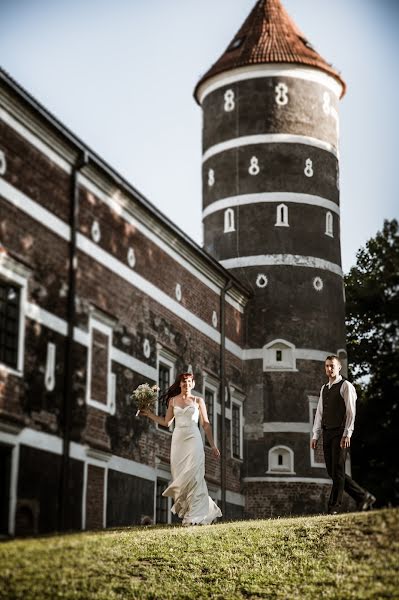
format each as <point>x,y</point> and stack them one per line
<point>236,44</point>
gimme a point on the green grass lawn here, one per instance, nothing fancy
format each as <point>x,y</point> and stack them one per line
<point>345,556</point>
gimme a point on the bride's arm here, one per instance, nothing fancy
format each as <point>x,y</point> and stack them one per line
<point>165,421</point>
<point>207,427</point>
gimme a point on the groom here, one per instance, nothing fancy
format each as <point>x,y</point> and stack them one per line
<point>335,416</point>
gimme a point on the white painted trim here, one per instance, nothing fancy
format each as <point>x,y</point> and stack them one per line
<point>105,494</point>
<point>116,463</point>
<point>84,495</point>
<point>286,427</point>
<point>133,364</point>
<point>114,204</point>
<point>34,210</point>
<point>280,468</point>
<point>12,271</point>
<point>213,385</point>
<point>231,497</point>
<point>145,286</point>
<point>271,70</point>
<point>42,316</point>
<point>300,354</point>
<point>117,267</point>
<point>51,443</point>
<point>292,260</point>
<point>269,197</point>
<point>268,138</point>
<point>238,403</point>
<point>128,217</point>
<point>313,401</point>
<point>278,479</point>
<point>95,323</point>
<point>13,488</point>
<point>35,141</point>
<point>169,360</point>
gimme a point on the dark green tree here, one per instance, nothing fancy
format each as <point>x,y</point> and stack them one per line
<point>372,307</point>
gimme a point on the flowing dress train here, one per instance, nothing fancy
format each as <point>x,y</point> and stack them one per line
<point>187,459</point>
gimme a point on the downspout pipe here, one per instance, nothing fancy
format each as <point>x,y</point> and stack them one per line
<point>82,161</point>
<point>223,449</point>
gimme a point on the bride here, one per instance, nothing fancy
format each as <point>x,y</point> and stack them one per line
<point>188,487</point>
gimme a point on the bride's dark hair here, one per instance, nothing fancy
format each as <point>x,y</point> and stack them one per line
<point>174,389</point>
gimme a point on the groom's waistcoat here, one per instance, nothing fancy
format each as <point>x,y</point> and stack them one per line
<point>334,409</point>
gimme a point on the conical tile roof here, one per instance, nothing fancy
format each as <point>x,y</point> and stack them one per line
<point>269,35</point>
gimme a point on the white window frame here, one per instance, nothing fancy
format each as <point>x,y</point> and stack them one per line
<point>162,471</point>
<point>270,362</point>
<point>274,467</point>
<point>313,401</point>
<point>282,216</point>
<point>103,325</point>
<point>237,399</point>
<point>15,272</point>
<point>212,384</point>
<point>229,220</point>
<point>165,357</point>
<point>329,224</point>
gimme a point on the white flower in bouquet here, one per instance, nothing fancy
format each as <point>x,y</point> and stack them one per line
<point>145,396</point>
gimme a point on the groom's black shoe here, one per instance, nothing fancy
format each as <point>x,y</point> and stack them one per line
<point>333,510</point>
<point>367,502</point>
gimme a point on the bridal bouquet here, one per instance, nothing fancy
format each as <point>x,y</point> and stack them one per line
<point>145,396</point>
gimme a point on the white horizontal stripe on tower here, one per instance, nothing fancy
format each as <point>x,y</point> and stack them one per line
<point>299,354</point>
<point>292,260</point>
<point>268,138</point>
<point>293,197</point>
<point>286,479</point>
<point>279,426</point>
<point>256,72</point>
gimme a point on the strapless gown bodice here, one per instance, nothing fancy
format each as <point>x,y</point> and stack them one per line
<point>187,416</point>
<point>187,461</point>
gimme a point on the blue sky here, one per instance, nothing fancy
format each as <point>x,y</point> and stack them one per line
<point>121,74</point>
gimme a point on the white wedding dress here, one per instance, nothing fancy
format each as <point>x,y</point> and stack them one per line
<point>187,458</point>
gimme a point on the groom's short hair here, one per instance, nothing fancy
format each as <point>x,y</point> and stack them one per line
<point>333,357</point>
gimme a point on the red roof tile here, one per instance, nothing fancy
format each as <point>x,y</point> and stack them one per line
<point>269,35</point>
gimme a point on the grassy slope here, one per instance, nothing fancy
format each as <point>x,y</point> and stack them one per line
<point>345,556</point>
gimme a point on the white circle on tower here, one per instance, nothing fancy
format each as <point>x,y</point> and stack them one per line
<point>3,163</point>
<point>131,258</point>
<point>261,280</point>
<point>214,319</point>
<point>178,292</point>
<point>146,348</point>
<point>281,90</point>
<point>318,284</point>
<point>96,232</point>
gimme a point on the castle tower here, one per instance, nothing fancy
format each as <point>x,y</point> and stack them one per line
<point>271,216</point>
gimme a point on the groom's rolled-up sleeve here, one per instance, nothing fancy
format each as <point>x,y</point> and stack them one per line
<point>349,395</point>
<point>318,417</point>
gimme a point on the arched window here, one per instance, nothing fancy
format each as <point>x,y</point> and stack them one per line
<point>279,355</point>
<point>229,220</point>
<point>281,460</point>
<point>329,224</point>
<point>282,216</point>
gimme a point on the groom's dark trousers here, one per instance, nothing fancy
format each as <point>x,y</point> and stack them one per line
<point>335,458</point>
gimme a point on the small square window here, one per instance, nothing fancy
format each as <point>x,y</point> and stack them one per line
<point>279,355</point>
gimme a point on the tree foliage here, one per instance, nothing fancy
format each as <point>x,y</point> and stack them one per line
<point>372,305</point>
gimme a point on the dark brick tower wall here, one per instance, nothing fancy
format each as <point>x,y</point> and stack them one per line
<point>271,216</point>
